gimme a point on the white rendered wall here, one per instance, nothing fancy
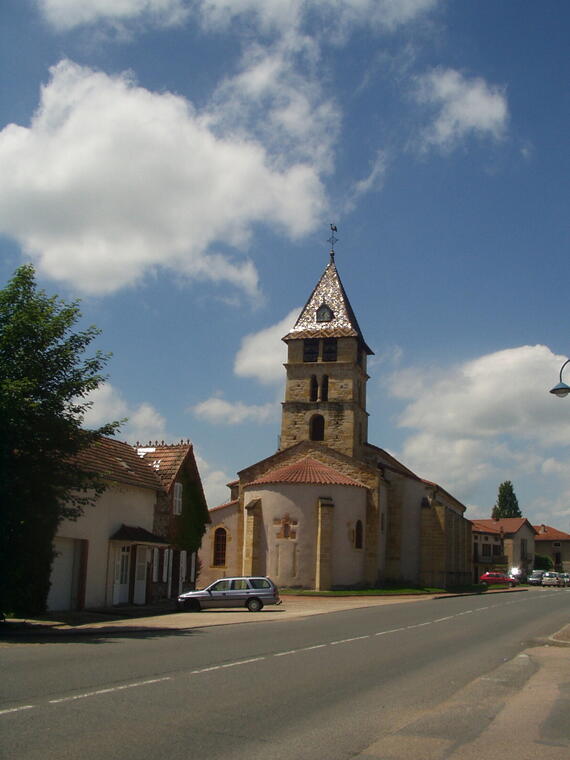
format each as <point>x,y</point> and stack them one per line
<point>292,561</point>
<point>130,505</point>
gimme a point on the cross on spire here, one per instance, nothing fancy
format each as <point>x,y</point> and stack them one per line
<point>332,240</point>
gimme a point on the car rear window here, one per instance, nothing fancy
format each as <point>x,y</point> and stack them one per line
<point>239,585</point>
<point>260,583</point>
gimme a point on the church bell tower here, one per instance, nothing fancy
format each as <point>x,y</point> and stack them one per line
<point>325,394</point>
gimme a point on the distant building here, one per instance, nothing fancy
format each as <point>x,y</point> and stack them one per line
<point>488,548</point>
<point>329,509</point>
<point>518,538</point>
<point>555,544</point>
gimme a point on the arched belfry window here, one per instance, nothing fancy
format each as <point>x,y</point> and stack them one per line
<point>314,388</point>
<point>324,313</point>
<point>317,428</point>
<point>325,388</point>
<point>220,540</point>
<point>358,535</point>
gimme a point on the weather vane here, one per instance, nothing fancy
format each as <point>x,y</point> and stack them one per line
<point>332,240</point>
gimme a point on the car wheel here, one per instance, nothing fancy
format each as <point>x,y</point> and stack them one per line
<point>192,605</point>
<point>512,585</point>
<point>254,605</point>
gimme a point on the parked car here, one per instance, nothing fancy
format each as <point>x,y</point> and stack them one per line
<point>251,592</point>
<point>494,578</point>
<point>552,579</point>
<point>535,578</point>
<point>566,578</point>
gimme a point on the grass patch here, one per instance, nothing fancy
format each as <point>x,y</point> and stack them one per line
<point>392,591</point>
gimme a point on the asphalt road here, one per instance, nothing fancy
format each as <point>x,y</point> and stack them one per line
<point>329,686</point>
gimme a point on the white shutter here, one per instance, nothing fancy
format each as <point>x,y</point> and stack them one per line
<point>155,557</point>
<point>182,574</point>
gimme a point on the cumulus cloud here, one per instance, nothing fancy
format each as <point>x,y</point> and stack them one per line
<point>484,418</point>
<point>214,481</point>
<point>464,106</point>
<point>221,412</point>
<point>64,15</point>
<point>144,421</point>
<point>267,15</point>
<point>262,354</point>
<point>277,96</point>
<point>112,181</point>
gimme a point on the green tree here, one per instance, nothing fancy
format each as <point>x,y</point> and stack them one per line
<point>507,504</point>
<point>44,382</point>
<point>542,562</point>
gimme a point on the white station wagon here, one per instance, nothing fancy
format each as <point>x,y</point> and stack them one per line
<point>252,592</point>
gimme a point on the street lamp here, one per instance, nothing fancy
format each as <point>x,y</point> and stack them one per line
<point>561,389</point>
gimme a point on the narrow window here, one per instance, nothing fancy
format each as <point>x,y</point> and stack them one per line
<point>314,388</point>
<point>177,499</point>
<point>329,349</point>
<point>317,428</point>
<point>310,350</point>
<point>219,547</point>
<point>358,535</point>
<point>325,388</point>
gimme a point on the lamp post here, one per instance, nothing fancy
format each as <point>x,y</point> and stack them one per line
<point>561,389</point>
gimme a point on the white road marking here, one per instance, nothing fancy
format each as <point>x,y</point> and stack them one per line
<point>242,662</point>
<point>16,709</point>
<point>345,641</point>
<point>109,690</point>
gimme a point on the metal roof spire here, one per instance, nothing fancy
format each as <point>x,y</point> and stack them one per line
<point>332,240</point>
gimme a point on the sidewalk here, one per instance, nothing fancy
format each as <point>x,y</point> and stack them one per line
<point>135,619</point>
<point>164,619</point>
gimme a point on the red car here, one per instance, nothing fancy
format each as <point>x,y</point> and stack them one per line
<point>493,578</point>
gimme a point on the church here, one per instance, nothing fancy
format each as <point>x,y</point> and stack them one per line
<point>329,509</point>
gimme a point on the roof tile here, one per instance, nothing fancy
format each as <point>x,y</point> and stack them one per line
<point>307,470</point>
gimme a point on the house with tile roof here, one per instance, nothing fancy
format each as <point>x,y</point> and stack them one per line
<point>518,540</point>
<point>555,544</point>
<point>488,548</point>
<point>329,509</point>
<point>131,546</point>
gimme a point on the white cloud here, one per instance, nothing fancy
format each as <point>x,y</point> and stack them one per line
<point>221,412</point>
<point>267,15</point>
<point>68,14</point>
<point>483,419</point>
<point>373,182</point>
<point>112,181</point>
<point>108,404</point>
<point>214,481</point>
<point>465,106</point>
<point>262,354</point>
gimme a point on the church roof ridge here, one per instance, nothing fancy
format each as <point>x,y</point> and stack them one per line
<point>329,291</point>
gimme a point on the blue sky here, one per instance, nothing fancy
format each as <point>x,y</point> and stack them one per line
<point>176,165</point>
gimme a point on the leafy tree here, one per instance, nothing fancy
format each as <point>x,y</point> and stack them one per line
<point>44,381</point>
<point>507,504</point>
<point>542,562</point>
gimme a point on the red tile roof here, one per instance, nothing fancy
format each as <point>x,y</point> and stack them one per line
<point>508,524</point>
<point>306,470</point>
<point>548,533</point>
<point>482,527</point>
<point>118,461</point>
<point>165,460</point>
<point>227,504</point>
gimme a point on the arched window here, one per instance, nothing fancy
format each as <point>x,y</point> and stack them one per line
<point>358,535</point>
<point>219,547</point>
<point>317,428</point>
<point>325,388</point>
<point>314,388</point>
